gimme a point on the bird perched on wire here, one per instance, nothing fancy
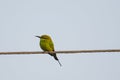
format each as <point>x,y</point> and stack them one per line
<point>46,44</point>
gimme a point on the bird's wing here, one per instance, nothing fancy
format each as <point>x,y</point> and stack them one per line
<point>51,45</point>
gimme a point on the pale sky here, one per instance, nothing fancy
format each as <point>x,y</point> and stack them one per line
<point>73,25</point>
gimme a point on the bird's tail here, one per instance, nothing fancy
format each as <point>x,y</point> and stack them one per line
<point>55,57</point>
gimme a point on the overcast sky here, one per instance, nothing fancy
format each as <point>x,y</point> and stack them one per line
<point>73,25</point>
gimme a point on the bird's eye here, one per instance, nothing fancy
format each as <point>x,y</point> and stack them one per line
<point>45,37</point>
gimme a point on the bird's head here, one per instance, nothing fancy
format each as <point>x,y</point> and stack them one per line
<point>44,37</point>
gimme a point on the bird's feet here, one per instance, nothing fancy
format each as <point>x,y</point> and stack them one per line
<point>45,52</point>
<point>51,52</point>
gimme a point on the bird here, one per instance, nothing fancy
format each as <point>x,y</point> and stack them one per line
<point>46,44</point>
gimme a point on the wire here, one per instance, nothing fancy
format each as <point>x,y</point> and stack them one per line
<point>61,52</point>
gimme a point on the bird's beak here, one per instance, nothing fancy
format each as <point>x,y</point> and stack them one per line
<point>38,36</point>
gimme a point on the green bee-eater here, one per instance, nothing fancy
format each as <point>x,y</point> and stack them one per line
<point>46,44</point>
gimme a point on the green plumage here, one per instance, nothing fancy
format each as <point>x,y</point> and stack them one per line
<point>46,44</point>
